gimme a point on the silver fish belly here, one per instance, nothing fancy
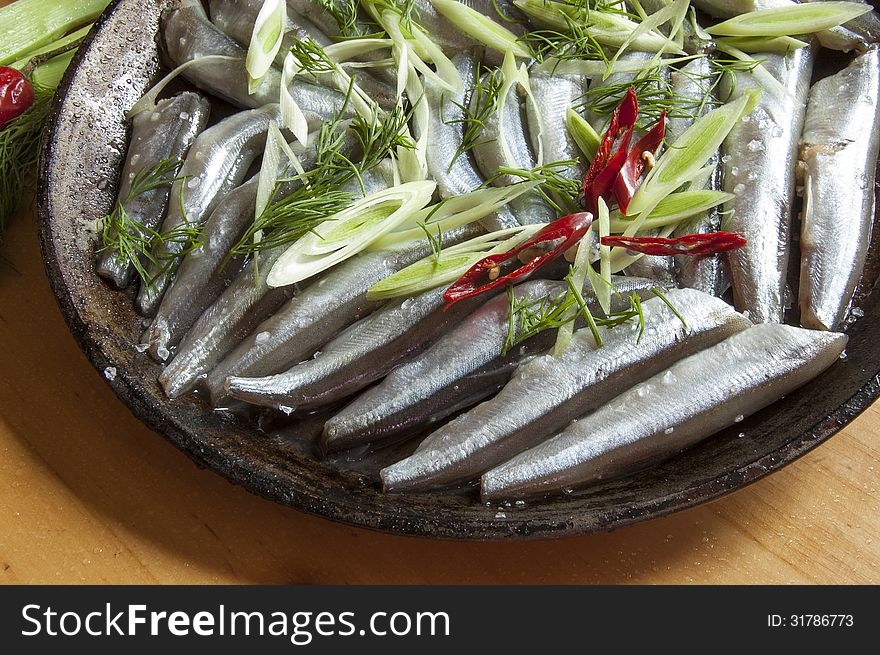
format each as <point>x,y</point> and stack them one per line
<point>839,150</point>
<point>359,355</point>
<point>454,171</point>
<point>694,83</point>
<point>503,143</point>
<point>554,95</point>
<point>216,163</point>
<point>547,393</point>
<point>759,158</point>
<point>165,133</point>
<point>673,410</point>
<point>246,302</point>
<point>465,366</point>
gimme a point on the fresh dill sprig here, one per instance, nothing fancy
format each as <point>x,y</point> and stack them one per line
<point>345,13</point>
<point>575,42</point>
<point>131,242</point>
<point>382,133</point>
<point>654,94</point>
<point>19,151</point>
<point>484,102</point>
<point>318,194</point>
<point>311,57</point>
<point>728,68</point>
<point>555,182</point>
<point>528,316</point>
<point>405,9</point>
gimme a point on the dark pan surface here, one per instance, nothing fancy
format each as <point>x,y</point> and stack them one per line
<point>83,152</point>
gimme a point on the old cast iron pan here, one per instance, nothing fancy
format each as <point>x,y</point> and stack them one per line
<point>82,155</point>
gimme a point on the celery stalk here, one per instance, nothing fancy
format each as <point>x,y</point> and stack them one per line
<point>27,25</point>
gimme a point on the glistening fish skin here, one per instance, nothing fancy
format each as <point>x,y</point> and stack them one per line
<point>165,133</point>
<point>465,366</point>
<point>206,271</point>
<point>246,302</point>
<point>189,35</point>
<point>456,176</point>
<point>554,95</point>
<point>312,318</point>
<point>839,150</point>
<point>760,155</point>
<point>216,163</point>
<point>547,393</point>
<point>674,410</point>
<point>503,143</point>
<point>361,354</point>
<point>693,82</point>
<point>236,18</point>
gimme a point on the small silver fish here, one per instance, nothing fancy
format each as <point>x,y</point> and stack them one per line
<point>246,302</point>
<point>237,17</point>
<point>462,368</point>
<point>547,393</point>
<point>839,150</point>
<point>164,133</point>
<point>188,35</point>
<point>454,171</point>
<point>216,163</point>
<point>359,355</point>
<point>673,410</point>
<point>554,95</point>
<point>504,143</point>
<point>759,157</point>
<point>694,83</point>
<point>210,268</point>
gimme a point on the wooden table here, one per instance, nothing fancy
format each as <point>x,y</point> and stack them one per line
<point>88,494</point>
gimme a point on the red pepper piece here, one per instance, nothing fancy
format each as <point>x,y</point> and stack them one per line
<point>569,228</point>
<point>689,244</point>
<point>628,179</point>
<point>623,120</point>
<point>604,181</point>
<point>16,95</point>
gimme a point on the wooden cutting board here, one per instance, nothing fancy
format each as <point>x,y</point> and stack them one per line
<point>88,494</point>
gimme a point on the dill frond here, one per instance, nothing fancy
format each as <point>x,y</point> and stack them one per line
<point>133,243</point>
<point>483,103</point>
<point>555,184</point>
<point>19,151</point>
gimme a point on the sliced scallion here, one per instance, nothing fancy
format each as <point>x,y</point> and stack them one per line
<point>265,41</point>
<point>790,20</point>
<point>349,231</point>
<point>481,28</point>
<point>450,264</point>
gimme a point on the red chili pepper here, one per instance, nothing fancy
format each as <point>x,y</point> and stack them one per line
<point>16,94</point>
<point>570,229</point>
<point>628,178</point>
<point>605,167</point>
<point>689,244</point>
